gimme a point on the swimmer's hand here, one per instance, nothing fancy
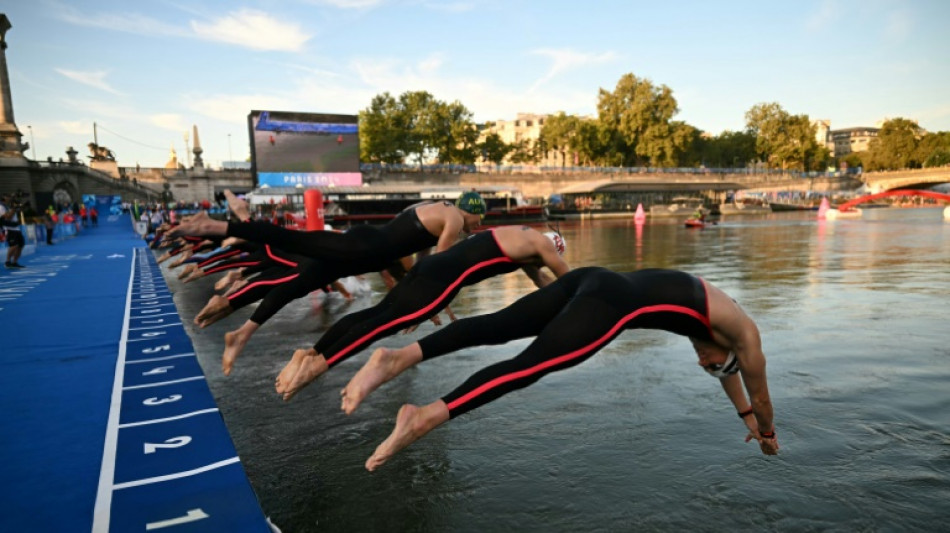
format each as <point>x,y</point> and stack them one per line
<point>768,446</point>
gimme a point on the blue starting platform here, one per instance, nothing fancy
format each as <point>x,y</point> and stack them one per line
<point>107,421</point>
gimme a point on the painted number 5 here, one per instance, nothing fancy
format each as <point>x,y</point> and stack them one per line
<point>157,349</point>
<point>174,442</point>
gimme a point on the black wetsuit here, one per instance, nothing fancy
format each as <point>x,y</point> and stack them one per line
<point>427,289</point>
<point>572,319</point>
<point>329,256</point>
<point>363,248</point>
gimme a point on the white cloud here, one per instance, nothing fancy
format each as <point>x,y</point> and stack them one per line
<point>253,29</point>
<point>169,121</point>
<point>93,79</point>
<point>349,4</point>
<point>898,25</point>
<point>486,99</point>
<point>234,108</point>
<point>563,60</point>
<point>75,127</point>
<point>451,7</point>
<point>125,22</point>
<point>824,17</point>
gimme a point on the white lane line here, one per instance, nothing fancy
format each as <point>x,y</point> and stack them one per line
<point>148,385</point>
<point>168,419</point>
<point>178,475</point>
<point>154,359</point>
<point>159,326</point>
<point>150,315</point>
<point>103,508</point>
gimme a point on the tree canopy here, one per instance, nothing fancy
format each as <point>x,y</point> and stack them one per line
<point>634,126</point>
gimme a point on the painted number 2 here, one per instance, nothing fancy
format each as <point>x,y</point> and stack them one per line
<point>174,442</point>
<point>191,516</point>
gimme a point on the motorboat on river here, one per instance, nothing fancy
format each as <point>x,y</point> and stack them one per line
<point>746,206</point>
<point>682,205</point>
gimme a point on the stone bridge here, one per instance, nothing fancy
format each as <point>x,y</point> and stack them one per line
<point>41,180</point>
<point>906,179</point>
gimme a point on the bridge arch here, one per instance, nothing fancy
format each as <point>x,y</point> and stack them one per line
<point>899,192</point>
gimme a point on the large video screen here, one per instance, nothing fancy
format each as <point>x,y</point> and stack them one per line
<point>311,149</point>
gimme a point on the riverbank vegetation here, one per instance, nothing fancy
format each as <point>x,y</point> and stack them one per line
<point>634,127</point>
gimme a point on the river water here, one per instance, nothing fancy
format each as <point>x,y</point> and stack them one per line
<point>853,316</point>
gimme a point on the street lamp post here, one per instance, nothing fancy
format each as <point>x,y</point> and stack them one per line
<point>230,156</point>
<point>32,142</point>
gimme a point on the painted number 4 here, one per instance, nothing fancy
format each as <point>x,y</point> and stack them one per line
<point>174,442</point>
<point>191,516</point>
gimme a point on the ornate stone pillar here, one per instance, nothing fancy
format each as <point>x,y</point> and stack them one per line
<point>10,145</point>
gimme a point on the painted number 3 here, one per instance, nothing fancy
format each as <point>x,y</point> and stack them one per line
<point>174,442</point>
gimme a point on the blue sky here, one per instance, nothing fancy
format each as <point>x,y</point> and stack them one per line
<point>146,71</point>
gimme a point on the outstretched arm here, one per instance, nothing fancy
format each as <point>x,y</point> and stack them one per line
<point>732,385</point>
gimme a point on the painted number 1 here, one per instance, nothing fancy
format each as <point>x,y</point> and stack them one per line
<point>193,515</point>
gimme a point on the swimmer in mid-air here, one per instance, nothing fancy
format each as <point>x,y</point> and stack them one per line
<point>572,319</point>
<point>427,289</point>
<point>335,255</point>
<point>366,248</point>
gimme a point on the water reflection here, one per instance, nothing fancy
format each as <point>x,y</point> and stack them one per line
<point>853,321</point>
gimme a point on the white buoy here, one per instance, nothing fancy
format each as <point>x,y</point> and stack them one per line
<point>946,213</point>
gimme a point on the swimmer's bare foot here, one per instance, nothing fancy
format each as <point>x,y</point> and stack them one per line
<point>229,278</point>
<point>412,423</point>
<point>234,343</point>
<point>309,367</point>
<point>283,379</point>
<point>232,241</point>
<point>164,257</point>
<point>216,305</point>
<point>200,225</point>
<point>236,286</point>
<point>197,273</point>
<point>237,206</point>
<point>181,259</point>
<point>187,270</point>
<point>383,365</point>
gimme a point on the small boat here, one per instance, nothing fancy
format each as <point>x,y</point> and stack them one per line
<point>682,205</point>
<point>746,206</point>
<point>695,223</point>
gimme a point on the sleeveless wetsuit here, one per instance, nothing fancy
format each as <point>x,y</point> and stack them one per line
<point>572,319</point>
<point>427,289</point>
<point>365,248</point>
<point>357,251</point>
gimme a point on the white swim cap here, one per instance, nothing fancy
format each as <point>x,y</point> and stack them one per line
<point>559,244</point>
<point>731,366</point>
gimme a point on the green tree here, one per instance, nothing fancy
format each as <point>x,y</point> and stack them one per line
<point>933,150</point>
<point>494,149</point>
<point>782,140</point>
<point>416,127</point>
<point>895,146</point>
<point>558,134</point>
<point>640,114</point>
<point>450,136</point>
<point>381,131</point>
<point>730,149</point>
<point>523,151</point>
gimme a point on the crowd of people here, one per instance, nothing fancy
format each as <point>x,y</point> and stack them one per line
<point>426,255</point>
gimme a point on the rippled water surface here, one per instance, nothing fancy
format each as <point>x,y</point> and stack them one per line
<point>853,315</point>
